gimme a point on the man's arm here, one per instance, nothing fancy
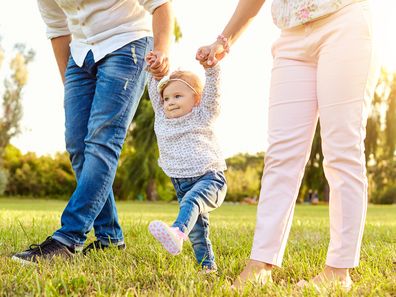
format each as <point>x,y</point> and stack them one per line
<point>163,22</point>
<point>60,46</point>
<point>57,30</point>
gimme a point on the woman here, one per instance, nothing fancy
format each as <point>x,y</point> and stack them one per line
<point>323,66</point>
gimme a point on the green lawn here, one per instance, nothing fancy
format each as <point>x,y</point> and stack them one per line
<point>144,269</point>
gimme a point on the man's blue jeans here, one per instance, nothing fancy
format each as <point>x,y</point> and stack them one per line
<point>198,196</point>
<point>100,101</point>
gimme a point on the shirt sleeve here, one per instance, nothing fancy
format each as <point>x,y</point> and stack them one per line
<point>151,5</point>
<point>210,100</point>
<point>54,18</point>
<point>155,97</point>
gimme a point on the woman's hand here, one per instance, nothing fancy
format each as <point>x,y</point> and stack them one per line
<point>208,56</point>
<point>244,13</point>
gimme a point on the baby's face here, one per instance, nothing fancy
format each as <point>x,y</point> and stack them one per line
<point>178,99</point>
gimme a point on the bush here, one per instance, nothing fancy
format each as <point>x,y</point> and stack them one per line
<point>242,184</point>
<point>387,196</point>
<point>30,175</point>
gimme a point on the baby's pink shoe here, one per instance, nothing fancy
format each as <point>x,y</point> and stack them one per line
<point>170,237</point>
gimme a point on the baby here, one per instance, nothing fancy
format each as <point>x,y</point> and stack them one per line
<point>185,112</point>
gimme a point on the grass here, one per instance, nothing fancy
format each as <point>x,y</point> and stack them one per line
<point>144,269</point>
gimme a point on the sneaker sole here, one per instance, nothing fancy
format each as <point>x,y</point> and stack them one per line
<point>23,262</point>
<point>160,231</point>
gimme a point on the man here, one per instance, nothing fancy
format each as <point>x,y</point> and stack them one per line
<point>99,47</point>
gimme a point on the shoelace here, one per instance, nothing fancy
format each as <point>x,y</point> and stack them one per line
<point>47,246</point>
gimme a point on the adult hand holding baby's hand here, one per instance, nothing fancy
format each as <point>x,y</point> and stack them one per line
<point>158,64</point>
<point>208,56</point>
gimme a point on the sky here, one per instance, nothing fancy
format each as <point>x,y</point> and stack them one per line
<point>246,71</point>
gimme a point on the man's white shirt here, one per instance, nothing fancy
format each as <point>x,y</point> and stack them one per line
<point>101,26</point>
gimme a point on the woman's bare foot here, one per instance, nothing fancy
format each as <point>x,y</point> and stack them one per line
<point>256,272</point>
<point>329,276</point>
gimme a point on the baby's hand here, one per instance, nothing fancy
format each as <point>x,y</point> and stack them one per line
<point>208,56</point>
<point>150,58</point>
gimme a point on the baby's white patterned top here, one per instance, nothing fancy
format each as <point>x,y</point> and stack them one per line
<point>188,145</point>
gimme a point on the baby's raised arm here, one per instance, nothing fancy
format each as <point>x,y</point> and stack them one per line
<point>210,101</point>
<point>155,97</point>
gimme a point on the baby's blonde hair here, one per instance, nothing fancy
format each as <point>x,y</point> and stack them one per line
<point>191,78</point>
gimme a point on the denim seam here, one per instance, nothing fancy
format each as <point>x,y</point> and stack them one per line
<point>115,135</point>
<point>206,242</point>
<point>120,120</point>
<point>109,240</point>
<point>67,240</point>
<point>128,107</point>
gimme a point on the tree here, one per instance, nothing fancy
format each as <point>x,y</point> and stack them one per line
<point>390,121</point>
<point>314,178</point>
<point>244,175</point>
<point>12,101</point>
<point>140,172</point>
<point>380,140</point>
<point>12,97</point>
<point>378,121</point>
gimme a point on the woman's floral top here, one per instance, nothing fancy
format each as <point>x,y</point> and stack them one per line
<point>291,13</point>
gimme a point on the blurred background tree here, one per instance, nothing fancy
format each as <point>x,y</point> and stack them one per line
<point>11,103</point>
<point>139,176</point>
<point>381,142</point>
<point>244,176</point>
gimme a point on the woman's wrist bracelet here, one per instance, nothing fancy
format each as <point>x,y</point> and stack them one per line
<point>224,42</point>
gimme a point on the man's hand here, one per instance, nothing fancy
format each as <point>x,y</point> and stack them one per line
<point>158,64</point>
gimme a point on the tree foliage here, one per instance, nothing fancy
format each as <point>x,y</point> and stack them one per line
<point>141,174</point>
<point>12,97</point>
<point>380,141</point>
<point>243,176</point>
<point>314,178</point>
<point>11,111</point>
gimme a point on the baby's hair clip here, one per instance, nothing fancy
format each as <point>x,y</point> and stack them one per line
<point>162,83</point>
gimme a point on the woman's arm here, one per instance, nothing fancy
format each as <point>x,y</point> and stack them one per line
<point>244,13</point>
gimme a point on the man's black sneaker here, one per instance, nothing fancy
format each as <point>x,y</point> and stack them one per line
<point>46,250</point>
<point>98,246</point>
